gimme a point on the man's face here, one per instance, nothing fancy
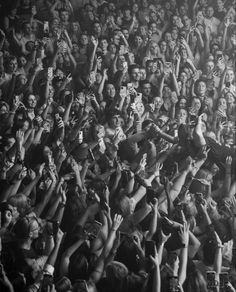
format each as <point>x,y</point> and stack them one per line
<point>103,44</point>
<point>135,74</point>
<point>209,12</point>
<point>146,89</point>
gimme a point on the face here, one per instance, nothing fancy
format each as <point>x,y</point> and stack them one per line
<point>229,77</point>
<point>125,33</point>
<point>3,110</point>
<point>196,104</point>
<point>84,40</point>
<point>222,103</point>
<point>25,126</point>
<point>27,28</point>
<point>200,17</point>
<point>182,103</point>
<point>209,12</point>
<point>183,77</point>
<point>153,48</point>
<point>163,46</point>
<point>138,41</point>
<point>182,116</point>
<point>209,67</point>
<point>31,100</point>
<point>167,92</point>
<point>229,98</point>
<point>158,102</point>
<point>143,74</point>
<point>135,74</point>
<point>168,37</point>
<point>201,88</point>
<point>22,61</point>
<point>143,30</point>
<point>182,10</point>
<point>110,90</point>
<point>116,39</point>
<point>112,48</point>
<point>115,121</point>
<point>153,28</point>
<point>21,80</point>
<point>12,66</point>
<point>104,44</point>
<point>97,28</point>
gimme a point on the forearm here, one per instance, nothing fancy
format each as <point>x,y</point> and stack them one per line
<point>153,226</point>
<point>38,135</point>
<point>183,264</point>
<point>67,114</point>
<point>59,213</point>
<point>28,189</point>
<point>156,280</point>
<point>38,209</point>
<point>218,260</point>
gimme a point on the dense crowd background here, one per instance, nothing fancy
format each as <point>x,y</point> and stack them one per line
<point>117,145</point>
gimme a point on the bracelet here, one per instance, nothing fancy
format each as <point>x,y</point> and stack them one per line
<point>62,205</point>
<point>113,229</point>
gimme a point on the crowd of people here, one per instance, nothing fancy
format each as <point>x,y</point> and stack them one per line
<point>117,146</point>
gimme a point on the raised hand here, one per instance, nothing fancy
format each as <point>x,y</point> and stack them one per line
<point>184,234</point>
<point>20,137</point>
<point>116,222</point>
<point>163,237</point>
<point>155,259</point>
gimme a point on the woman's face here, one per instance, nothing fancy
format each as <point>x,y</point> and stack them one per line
<point>31,101</point>
<point>222,103</point>
<point>229,77</point>
<point>209,67</point>
<point>25,126</point>
<point>84,40</point>
<point>201,88</point>
<point>138,41</point>
<point>110,90</point>
<point>153,48</point>
<point>196,104</point>
<point>163,46</point>
<point>183,77</point>
<point>182,103</point>
<point>229,98</point>
<point>182,116</point>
